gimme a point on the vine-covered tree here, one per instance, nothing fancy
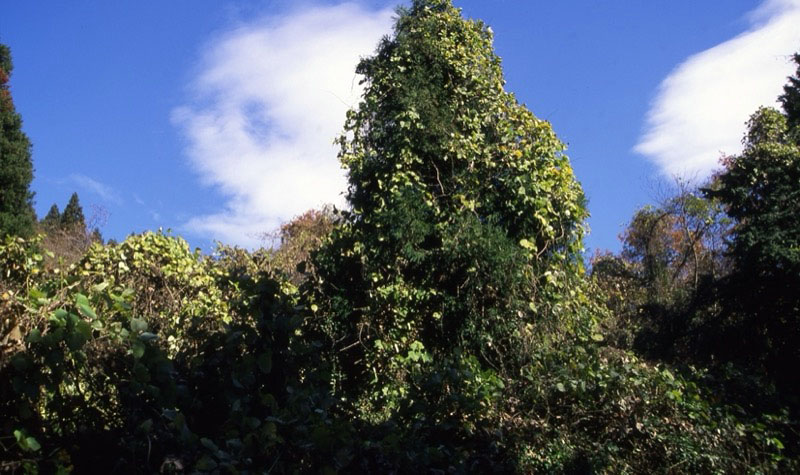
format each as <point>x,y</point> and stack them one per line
<point>463,203</point>
<point>16,168</point>
<point>466,224</point>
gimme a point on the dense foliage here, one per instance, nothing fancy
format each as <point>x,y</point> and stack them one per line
<point>761,191</point>
<point>465,215</point>
<point>16,168</point>
<point>443,323</point>
<point>739,316</point>
<point>672,256</point>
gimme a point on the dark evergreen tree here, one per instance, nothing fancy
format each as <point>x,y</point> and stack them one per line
<point>96,236</point>
<point>53,218</point>
<point>73,214</point>
<point>790,100</point>
<point>16,169</point>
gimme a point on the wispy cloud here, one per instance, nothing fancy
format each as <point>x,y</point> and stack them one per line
<point>701,107</point>
<point>104,191</point>
<point>269,100</point>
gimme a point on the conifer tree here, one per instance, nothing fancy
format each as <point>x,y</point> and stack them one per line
<point>790,100</point>
<point>53,218</point>
<point>73,214</point>
<point>96,236</point>
<point>16,169</point>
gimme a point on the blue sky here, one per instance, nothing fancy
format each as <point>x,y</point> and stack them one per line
<point>215,118</point>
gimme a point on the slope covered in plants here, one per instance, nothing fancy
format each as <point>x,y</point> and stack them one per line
<point>444,322</point>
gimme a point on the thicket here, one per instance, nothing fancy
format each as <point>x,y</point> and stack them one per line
<point>710,276</point>
<point>443,323</point>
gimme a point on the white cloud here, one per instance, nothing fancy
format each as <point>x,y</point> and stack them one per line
<point>701,107</point>
<point>103,191</point>
<point>271,97</point>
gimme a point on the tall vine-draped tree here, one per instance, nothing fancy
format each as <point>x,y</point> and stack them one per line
<point>466,220</point>
<point>16,168</point>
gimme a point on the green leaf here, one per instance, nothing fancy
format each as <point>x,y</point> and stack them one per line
<point>138,349</point>
<point>59,317</point>
<point>81,299</point>
<point>138,325</point>
<point>25,442</point>
<point>36,294</point>
<point>33,444</point>
<point>100,287</point>
<point>560,387</point>
<point>776,442</point>
<point>87,311</point>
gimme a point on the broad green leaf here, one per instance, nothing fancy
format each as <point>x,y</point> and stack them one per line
<point>138,325</point>
<point>81,299</point>
<point>87,311</point>
<point>59,317</point>
<point>32,444</point>
<point>138,349</point>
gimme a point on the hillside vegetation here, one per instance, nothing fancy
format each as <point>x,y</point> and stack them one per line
<point>443,323</point>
